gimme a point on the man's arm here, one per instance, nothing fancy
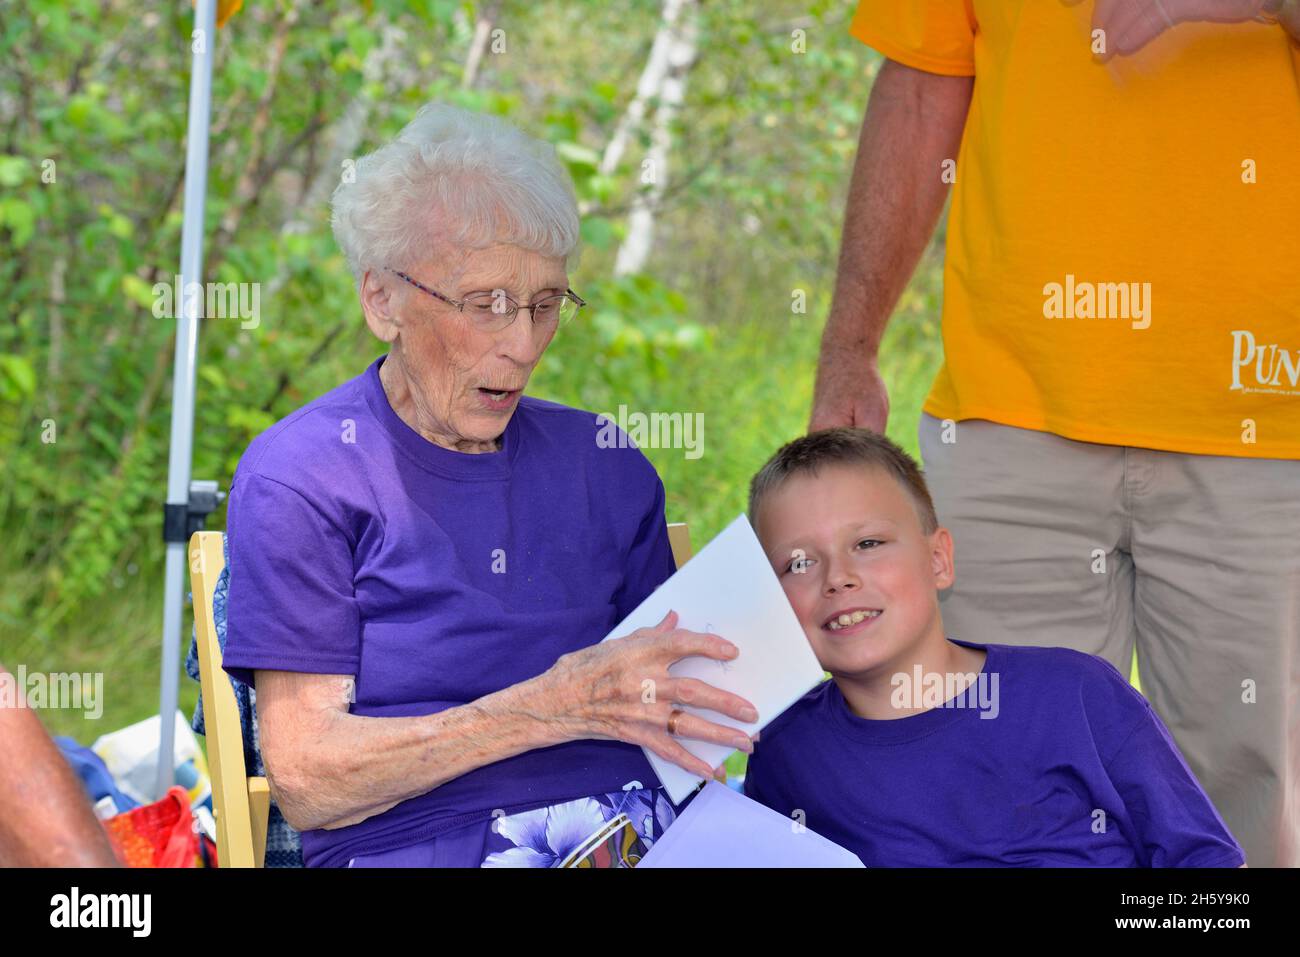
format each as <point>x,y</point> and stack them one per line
<point>914,122</point>
<point>45,817</point>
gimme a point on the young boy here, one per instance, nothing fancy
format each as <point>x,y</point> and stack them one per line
<point>926,751</point>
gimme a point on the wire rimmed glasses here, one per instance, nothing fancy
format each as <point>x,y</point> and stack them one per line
<point>493,310</point>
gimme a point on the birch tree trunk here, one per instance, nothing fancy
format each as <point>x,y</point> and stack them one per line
<point>347,136</point>
<point>488,13</point>
<point>664,81</point>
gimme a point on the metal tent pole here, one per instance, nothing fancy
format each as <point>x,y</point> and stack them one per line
<point>188,308</point>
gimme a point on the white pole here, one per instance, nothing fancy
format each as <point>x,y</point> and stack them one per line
<point>202,43</point>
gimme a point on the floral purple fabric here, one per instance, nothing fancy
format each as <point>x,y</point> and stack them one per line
<point>546,836</point>
<point>541,837</point>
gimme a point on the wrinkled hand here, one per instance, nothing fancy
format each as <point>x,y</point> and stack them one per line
<point>849,391</point>
<point>621,690</point>
<point>1130,25</point>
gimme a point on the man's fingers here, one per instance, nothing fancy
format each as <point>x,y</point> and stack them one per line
<point>872,415</point>
<point>1129,25</point>
<point>830,415</point>
<point>1111,17</point>
<point>849,392</point>
<point>1135,28</point>
<point>1102,10</point>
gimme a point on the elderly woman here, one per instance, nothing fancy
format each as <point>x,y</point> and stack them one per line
<point>423,561</point>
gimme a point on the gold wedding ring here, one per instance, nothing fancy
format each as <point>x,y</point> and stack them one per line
<point>672,720</point>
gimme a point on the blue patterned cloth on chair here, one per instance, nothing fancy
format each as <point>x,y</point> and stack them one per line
<point>283,843</point>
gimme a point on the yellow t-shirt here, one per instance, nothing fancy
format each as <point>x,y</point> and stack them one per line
<point>1123,259</point>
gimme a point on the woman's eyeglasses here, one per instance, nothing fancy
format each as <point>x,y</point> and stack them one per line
<point>493,311</point>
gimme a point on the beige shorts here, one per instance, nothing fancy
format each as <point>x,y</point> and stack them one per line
<point>1194,560</point>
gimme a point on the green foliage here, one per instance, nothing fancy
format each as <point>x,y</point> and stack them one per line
<point>92,126</point>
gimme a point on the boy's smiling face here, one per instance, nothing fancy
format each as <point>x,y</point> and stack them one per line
<point>848,541</point>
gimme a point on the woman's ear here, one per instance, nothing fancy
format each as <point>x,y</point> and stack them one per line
<point>378,302</point>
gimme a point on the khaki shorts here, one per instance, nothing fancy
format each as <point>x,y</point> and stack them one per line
<point>1194,560</point>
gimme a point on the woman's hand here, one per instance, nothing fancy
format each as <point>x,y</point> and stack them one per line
<point>621,690</point>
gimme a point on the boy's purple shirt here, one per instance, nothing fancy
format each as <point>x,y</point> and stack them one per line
<point>1076,769</point>
<point>436,577</point>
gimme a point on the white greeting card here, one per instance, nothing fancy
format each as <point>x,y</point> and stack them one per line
<point>729,589</point>
<point>722,828</point>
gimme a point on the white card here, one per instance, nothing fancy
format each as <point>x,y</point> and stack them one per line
<point>722,828</point>
<point>729,589</point>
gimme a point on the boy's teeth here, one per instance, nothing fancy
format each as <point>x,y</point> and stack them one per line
<point>846,619</point>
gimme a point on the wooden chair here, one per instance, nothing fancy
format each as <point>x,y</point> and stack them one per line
<point>679,537</point>
<point>242,803</point>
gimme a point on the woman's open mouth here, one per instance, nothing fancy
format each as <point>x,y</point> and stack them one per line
<point>499,400</point>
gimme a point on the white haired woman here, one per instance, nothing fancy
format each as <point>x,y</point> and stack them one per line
<point>423,561</point>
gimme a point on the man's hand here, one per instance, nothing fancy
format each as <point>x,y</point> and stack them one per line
<point>1129,25</point>
<point>849,390</point>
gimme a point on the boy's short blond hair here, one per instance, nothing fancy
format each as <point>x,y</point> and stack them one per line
<point>844,446</point>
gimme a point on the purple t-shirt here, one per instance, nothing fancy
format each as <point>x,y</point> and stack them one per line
<point>435,577</point>
<point>1075,769</point>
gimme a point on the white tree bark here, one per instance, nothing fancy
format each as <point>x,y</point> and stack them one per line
<point>487,18</point>
<point>348,133</point>
<point>663,79</point>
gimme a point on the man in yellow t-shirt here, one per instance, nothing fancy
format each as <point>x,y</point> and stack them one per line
<point>1114,436</point>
